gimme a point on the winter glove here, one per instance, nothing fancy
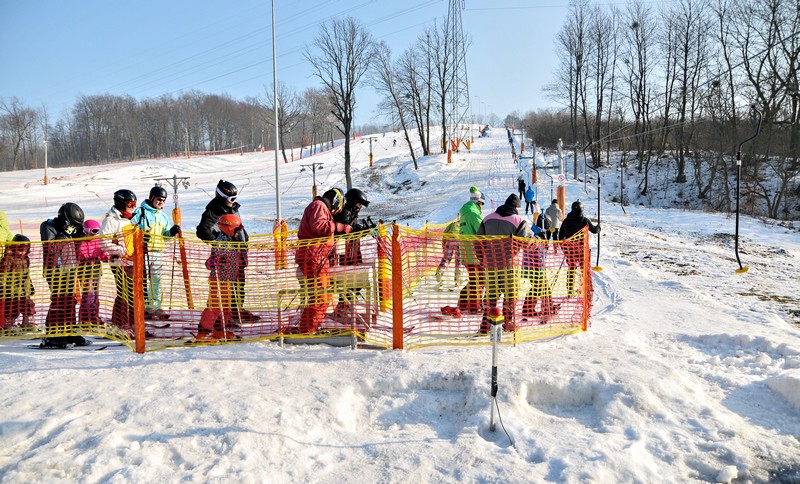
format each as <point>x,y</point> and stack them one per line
<point>343,228</point>
<point>175,230</point>
<point>359,226</point>
<point>212,262</point>
<point>598,228</point>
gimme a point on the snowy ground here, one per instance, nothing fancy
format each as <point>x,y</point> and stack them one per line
<point>689,372</point>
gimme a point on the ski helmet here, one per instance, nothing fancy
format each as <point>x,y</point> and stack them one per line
<point>354,196</point>
<point>229,223</point>
<point>158,191</point>
<point>20,238</point>
<point>91,227</point>
<point>577,206</point>
<point>227,190</point>
<point>336,198</point>
<point>72,214</point>
<point>124,199</point>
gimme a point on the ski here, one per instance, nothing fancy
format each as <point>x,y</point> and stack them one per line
<point>69,347</point>
<point>158,326</point>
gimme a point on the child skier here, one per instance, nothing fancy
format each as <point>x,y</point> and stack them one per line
<point>16,286</point>
<point>90,257</point>
<point>227,260</point>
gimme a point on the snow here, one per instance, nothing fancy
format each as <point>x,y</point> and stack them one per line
<point>689,372</point>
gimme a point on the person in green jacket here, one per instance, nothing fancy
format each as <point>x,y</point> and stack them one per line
<point>471,215</point>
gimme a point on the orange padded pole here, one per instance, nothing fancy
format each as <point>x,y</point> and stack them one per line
<point>138,290</point>
<point>187,285</point>
<point>397,290</point>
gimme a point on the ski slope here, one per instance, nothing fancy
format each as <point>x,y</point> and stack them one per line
<point>689,372</point>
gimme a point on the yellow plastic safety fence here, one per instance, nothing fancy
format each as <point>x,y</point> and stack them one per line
<point>386,287</point>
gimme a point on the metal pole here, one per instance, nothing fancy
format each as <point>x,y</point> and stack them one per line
<point>275,105</point>
<point>596,267</point>
<point>495,316</point>
<point>742,270</point>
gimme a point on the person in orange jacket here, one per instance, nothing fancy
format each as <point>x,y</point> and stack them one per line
<point>312,258</point>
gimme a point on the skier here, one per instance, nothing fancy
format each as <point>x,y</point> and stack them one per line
<point>497,259</point>
<point>449,249</point>
<point>227,261</point>
<point>355,200</point>
<point>471,215</point>
<point>312,259</point>
<point>16,287</point>
<point>118,227</point>
<point>91,256</point>
<point>554,216</point>
<point>573,250</point>
<point>521,186</point>
<point>224,202</point>
<point>154,222</point>
<point>530,200</point>
<point>59,253</point>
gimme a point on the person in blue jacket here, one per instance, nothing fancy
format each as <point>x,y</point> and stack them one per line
<point>155,224</point>
<point>530,199</point>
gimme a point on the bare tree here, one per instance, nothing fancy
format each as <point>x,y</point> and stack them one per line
<point>345,52</point>
<point>385,80</point>
<point>18,122</point>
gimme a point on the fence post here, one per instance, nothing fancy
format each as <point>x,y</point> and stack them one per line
<point>138,290</point>
<point>384,287</point>
<point>397,289</point>
<point>187,285</point>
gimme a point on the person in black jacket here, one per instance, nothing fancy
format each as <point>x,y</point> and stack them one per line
<point>59,252</point>
<point>354,201</point>
<point>574,222</point>
<point>224,202</point>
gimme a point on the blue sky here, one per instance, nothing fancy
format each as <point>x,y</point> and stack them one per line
<point>52,51</point>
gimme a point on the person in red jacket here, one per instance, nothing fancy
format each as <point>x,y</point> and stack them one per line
<point>317,225</point>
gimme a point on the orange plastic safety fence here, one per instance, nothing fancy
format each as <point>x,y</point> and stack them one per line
<point>172,292</point>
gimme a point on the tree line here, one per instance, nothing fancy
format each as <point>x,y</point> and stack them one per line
<point>686,81</point>
<point>110,128</point>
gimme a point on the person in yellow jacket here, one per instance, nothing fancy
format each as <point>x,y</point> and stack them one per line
<point>155,224</point>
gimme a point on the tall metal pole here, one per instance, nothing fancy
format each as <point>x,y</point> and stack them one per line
<point>275,106</point>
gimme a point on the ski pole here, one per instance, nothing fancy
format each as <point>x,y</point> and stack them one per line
<point>742,270</point>
<point>596,267</point>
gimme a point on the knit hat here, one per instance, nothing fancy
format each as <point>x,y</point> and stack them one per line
<point>475,195</point>
<point>513,201</point>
